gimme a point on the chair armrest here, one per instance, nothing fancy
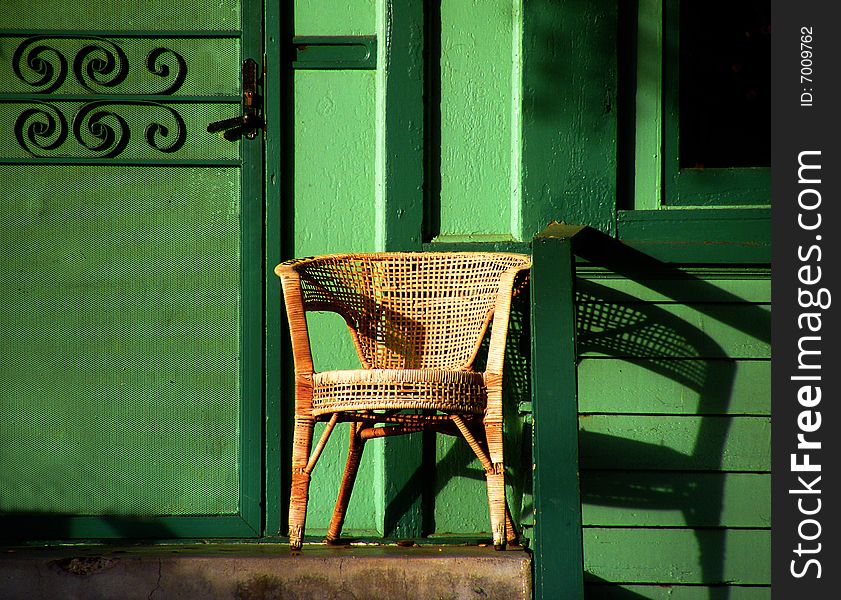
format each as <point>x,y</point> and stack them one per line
<point>502,312</point>
<point>293,298</point>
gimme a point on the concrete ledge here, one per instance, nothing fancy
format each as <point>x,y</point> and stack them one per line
<point>263,572</point>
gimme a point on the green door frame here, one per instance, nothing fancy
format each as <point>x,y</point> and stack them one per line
<point>274,18</point>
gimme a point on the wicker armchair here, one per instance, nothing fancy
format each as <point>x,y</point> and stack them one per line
<point>417,321</point>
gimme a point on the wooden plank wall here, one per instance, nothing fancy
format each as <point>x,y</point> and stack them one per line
<point>674,422</point>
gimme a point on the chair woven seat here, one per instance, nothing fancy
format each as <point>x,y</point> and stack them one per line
<point>417,320</point>
<point>398,389</point>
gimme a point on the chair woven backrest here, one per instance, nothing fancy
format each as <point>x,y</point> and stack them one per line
<point>410,310</point>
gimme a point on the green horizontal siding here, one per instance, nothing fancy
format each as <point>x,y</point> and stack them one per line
<point>671,330</point>
<point>608,385</point>
<point>700,556</point>
<point>710,235</point>
<point>675,442</point>
<point>674,425</point>
<point>593,591</point>
<point>695,285</point>
<point>676,499</point>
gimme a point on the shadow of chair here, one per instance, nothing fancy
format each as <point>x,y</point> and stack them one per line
<point>614,324</point>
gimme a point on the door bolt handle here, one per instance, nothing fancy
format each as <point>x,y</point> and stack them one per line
<point>225,124</point>
<point>251,121</point>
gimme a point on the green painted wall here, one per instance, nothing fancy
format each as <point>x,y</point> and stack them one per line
<point>334,212</point>
<point>327,17</point>
<point>673,371</point>
<point>479,136</point>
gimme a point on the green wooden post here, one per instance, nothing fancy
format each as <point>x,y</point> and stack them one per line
<point>558,554</point>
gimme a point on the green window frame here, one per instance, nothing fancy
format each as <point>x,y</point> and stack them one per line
<point>727,211</point>
<point>690,186</point>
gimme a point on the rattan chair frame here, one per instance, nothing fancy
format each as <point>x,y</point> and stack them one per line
<point>417,321</point>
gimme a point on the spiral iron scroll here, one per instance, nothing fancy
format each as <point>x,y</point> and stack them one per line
<point>98,64</point>
<point>96,127</point>
<point>42,127</point>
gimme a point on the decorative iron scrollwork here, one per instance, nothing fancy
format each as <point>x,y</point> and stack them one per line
<point>98,64</point>
<point>46,63</point>
<point>102,63</point>
<point>97,127</point>
<point>155,131</point>
<point>44,128</point>
<point>103,132</point>
<point>160,68</point>
<point>100,126</point>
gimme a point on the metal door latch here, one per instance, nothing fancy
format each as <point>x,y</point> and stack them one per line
<point>251,122</point>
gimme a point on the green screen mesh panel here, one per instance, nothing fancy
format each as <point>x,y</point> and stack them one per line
<point>119,340</point>
<point>204,15</point>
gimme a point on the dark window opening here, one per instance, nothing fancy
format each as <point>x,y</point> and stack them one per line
<point>725,84</point>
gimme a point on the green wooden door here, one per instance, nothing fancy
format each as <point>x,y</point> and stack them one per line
<point>130,341</point>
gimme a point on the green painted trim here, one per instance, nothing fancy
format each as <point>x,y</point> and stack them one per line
<point>501,246</point>
<point>515,189</point>
<point>472,238</point>
<point>272,429</point>
<point>726,236</point>
<point>334,52</point>
<point>694,187</point>
<point>399,217</point>
<point>251,297</point>
<point>716,187</point>
<point>558,554</point>
<point>648,108</point>
<point>569,116</point>
<point>61,527</point>
<point>284,130</point>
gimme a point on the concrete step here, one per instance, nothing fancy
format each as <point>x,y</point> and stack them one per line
<point>252,571</point>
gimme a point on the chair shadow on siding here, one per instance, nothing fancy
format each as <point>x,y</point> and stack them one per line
<point>633,474</point>
<point>621,328</point>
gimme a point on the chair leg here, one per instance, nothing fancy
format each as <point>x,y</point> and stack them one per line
<point>354,455</point>
<point>490,455</point>
<point>300,480</point>
<point>511,535</point>
<point>496,484</point>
